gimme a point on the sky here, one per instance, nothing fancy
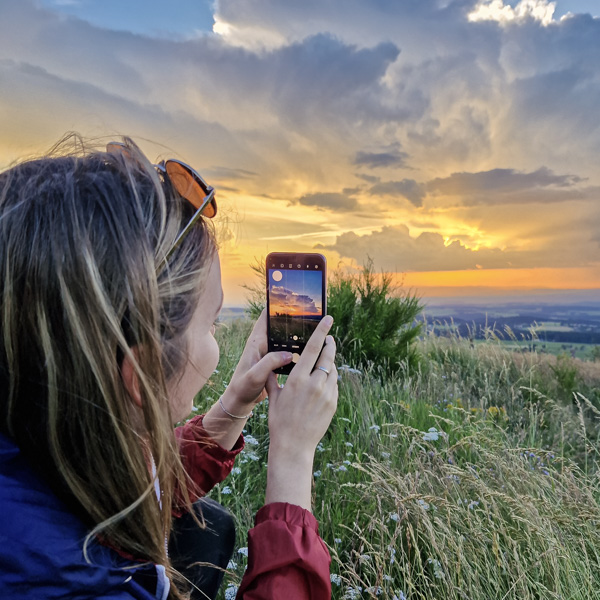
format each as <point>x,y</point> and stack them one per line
<point>454,142</point>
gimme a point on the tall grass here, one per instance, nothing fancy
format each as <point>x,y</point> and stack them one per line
<point>474,475</point>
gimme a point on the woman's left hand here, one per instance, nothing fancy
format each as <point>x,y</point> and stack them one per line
<point>247,386</point>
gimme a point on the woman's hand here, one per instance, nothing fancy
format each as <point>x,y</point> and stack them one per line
<point>299,415</point>
<point>246,388</point>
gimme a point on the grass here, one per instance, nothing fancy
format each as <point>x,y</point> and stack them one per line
<point>473,476</point>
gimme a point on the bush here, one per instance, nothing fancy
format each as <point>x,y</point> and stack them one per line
<point>374,325</point>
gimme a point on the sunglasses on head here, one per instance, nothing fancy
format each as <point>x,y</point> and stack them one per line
<point>187,183</point>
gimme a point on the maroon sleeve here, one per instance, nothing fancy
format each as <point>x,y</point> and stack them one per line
<point>286,557</point>
<point>204,460</point>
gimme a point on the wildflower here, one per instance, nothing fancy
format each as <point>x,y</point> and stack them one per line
<point>195,408</point>
<point>375,428</point>
<point>423,504</point>
<point>349,444</point>
<point>401,596</point>
<point>387,578</point>
<point>374,590</point>
<point>347,462</point>
<point>231,592</point>
<point>353,593</point>
<point>394,517</point>
<point>385,455</point>
<point>438,572</point>
<point>473,504</point>
<point>364,558</point>
<point>330,465</point>
<point>320,447</point>
<point>545,472</point>
<point>335,579</point>
<point>349,369</point>
<point>251,440</point>
<point>231,565</point>
<point>226,490</point>
<point>342,468</point>
<point>236,471</point>
<point>432,435</point>
<point>393,435</point>
<point>338,540</point>
<point>243,551</point>
<point>262,416</point>
<point>317,474</point>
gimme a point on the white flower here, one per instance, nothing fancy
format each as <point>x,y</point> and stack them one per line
<point>385,455</point>
<point>423,504</point>
<point>342,468</point>
<point>231,565</point>
<point>335,579</point>
<point>320,447</point>
<point>338,540</point>
<point>473,504</point>
<point>353,593</point>
<point>317,474</point>
<point>350,444</point>
<point>394,517</point>
<point>226,490</point>
<point>251,440</point>
<point>231,592</point>
<point>236,471</point>
<point>375,428</point>
<point>243,551</point>
<point>364,558</point>
<point>432,435</point>
<point>374,590</point>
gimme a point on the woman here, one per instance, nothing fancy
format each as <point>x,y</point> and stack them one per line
<point>110,289</point>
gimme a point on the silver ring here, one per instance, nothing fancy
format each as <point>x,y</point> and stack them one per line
<point>323,369</point>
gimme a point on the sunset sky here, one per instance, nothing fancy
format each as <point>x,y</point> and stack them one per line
<point>455,142</point>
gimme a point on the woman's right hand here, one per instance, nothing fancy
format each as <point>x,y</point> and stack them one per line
<point>299,415</point>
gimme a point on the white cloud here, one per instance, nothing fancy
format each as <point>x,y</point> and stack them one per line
<point>496,10</point>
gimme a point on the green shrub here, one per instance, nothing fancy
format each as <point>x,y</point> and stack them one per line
<point>374,324</point>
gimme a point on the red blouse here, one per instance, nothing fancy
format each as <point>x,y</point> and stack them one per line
<point>286,557</point>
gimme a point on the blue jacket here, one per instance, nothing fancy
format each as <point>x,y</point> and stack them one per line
<point>41,546</point>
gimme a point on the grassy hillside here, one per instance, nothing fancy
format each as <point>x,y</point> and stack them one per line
<point>472,476</point>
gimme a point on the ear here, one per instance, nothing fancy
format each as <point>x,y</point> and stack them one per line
<point>130,379</point>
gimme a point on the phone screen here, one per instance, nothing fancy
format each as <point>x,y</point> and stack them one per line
<point>296,299</point>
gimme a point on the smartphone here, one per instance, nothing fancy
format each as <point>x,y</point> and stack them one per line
<point>296,301</point>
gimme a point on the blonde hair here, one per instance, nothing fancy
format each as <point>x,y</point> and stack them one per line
<point>82,234</point>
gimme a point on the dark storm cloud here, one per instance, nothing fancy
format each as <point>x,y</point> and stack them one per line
<point>413,191</point>
<point>501,180</point>
<point>331,201</point>
<point>392,158</point>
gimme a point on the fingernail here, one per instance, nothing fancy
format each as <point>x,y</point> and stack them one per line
<point>287,356</point>
<point>328,320</point>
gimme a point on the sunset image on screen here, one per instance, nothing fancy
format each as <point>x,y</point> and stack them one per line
<point>295,293</point>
